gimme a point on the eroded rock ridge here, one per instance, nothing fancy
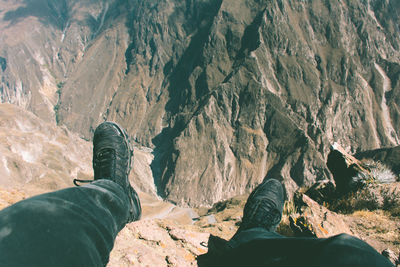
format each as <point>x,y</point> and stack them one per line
<point>225,92</point>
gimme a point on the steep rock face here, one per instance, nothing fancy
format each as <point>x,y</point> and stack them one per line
<point>38,156</point>
<point>228,92</point>
<point>271,86</point>
<point>42,44</point>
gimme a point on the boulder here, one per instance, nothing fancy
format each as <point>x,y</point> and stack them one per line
<point>314,220</point>
<point>348,172</point>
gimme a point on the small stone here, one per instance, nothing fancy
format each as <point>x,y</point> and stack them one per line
<point>390,255</point>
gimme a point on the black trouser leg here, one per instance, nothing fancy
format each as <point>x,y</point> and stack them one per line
<point>259,247</point>
<point>76,226</point>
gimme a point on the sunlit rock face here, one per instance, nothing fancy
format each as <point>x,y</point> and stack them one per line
<point>43,43</point>
<point>224,92</point>
<point>36,156</point>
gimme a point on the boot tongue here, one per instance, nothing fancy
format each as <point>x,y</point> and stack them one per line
<point>104,163</point>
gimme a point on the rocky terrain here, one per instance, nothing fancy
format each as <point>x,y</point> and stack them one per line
<point>224,92</point>
<point>216,95</point>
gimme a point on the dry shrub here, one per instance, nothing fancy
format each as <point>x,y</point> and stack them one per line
<point>379,171</point>
<point>380,191</point>
<point>284,228</point>
<point>373,197</point>
<point>289,208</point>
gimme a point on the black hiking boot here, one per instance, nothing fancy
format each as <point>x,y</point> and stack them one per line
<point>264,206</point>
<point>112,154</point>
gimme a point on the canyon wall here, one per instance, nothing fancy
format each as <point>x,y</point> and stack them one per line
<point>223,92</point>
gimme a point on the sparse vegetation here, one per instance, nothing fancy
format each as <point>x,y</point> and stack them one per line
<point>378,225</point>
<point>379,171</point>
<point>60,85</point>
<point>289,208</point>
<point>391,200</point>
<point>56,108</point>
<point>373,197</point>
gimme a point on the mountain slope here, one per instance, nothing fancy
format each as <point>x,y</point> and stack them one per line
<point>225,92</point>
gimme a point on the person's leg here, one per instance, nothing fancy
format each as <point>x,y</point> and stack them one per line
<point>346,250</point>
<point>252,234</point>
<point>256,242</point>
<point>268,250</point>
<point>71,227</point>
<point>75,226</point>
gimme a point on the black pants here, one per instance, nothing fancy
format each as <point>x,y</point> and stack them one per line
<point>76,226</point>
<point>259,247</point>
